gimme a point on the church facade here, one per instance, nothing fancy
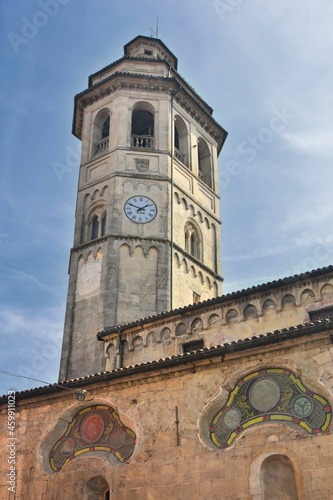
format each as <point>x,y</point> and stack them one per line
<point>168,388</point>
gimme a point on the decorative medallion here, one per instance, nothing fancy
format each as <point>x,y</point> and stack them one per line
<point>232,418</point>
<point>93,429</point>
<point>264,394</point>
<point>142,165</point>
<point>302,406</point>
<point>269,395</point>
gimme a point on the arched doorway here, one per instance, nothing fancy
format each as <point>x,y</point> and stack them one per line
<point>97,488</point>
<point>277,478</point>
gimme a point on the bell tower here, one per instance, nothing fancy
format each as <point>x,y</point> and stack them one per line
<point>147,229</point>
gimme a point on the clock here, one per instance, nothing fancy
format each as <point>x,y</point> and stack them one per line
<point>140,209</point>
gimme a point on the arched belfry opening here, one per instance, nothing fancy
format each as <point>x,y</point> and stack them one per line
<point>142,129</point>
<point>101,132</point>
<point>180,140</point>
<point>204,163</point>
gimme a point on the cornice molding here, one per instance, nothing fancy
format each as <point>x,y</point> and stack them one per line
<point>187,99</point>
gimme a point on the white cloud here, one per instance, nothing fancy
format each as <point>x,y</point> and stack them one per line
<point>258,253</point>
<point>22,276</point>
<point>318,142</point>
<point>32,323</point>
<point>30,346</point>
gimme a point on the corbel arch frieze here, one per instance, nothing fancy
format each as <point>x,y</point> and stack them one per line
<point>146,247</point>
<point>185,203</point>
<point>326,291</point>
<point>98,193</point>
<point>208,283</point>
<point>213,319</point>
<point>150,338</point>
<point>176,259</point>
<point>184,265</point>
<point>299,289</point>
<point>136,184</point>
<point>136,341</point>
<point>268,303</point>
<point>200,216</point>
<point>181,199</point>
<point>193,211</point>
<point>207,223</point>
<point>287,299</point>
<point>307,295</point>
<point>231,313</point>
<point>91,250</point>
<point>134,246</point>
<point>177,198</point>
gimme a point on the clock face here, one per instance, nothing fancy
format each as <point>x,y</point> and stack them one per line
<point>140,209</point>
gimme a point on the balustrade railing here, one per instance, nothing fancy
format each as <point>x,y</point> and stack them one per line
<point>179,155</point>
<point>102,146</point>
<point>204,178</point>
<point>142,141</point>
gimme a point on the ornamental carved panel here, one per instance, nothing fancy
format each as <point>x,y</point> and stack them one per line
<point>270,395</point>
<point>92,430</point>
<point>142,165</point>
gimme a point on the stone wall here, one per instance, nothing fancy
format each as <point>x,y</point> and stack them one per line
<point>170,411</point>
<point>225,320</point>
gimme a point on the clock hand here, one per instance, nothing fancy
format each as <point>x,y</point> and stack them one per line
<point>134,206</point>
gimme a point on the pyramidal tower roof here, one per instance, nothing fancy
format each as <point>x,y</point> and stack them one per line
<point>145,46</point>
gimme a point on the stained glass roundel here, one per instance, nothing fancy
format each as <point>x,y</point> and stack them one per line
<point>302,406</point>
<point>232,418</point>
<point>264,395</point>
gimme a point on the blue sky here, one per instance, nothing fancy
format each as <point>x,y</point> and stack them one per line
<point>265,68</point>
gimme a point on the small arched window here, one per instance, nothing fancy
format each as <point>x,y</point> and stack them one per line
<point>94,227</point>
<point>103,224</point>
<point>193,244</point>
<point>96,224</point>
<point>204,163</point>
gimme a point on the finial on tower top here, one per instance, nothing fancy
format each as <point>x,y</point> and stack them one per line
<point>154,34</point>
